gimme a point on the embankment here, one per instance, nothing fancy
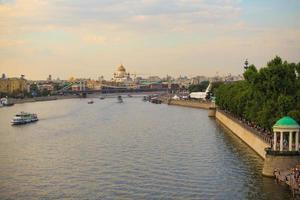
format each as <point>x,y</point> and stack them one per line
<point>37,99</point>
<point>244,133</point>
<point>188,103</point>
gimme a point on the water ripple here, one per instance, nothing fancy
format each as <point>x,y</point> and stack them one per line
<point>135,150</point>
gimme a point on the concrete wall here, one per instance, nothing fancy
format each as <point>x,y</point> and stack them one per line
<point>273,162</point>
<point>188,103</point>
<point>256,143</point>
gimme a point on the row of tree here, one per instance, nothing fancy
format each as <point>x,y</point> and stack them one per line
<point>198,87</point>
<point>265,95</point>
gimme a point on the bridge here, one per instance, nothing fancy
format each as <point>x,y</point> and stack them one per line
<point>106,89</point>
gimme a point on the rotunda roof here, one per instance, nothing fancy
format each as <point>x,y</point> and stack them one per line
<point>286,122</point>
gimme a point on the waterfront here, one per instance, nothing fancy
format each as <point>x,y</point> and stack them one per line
<point>134,150</point>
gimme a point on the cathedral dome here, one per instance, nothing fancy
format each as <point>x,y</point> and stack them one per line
<point>121,68</point>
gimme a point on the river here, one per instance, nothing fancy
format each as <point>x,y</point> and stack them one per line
<point>134,150</point>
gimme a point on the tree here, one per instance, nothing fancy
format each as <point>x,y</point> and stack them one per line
<point>265,95</point>
<point>198,87</point>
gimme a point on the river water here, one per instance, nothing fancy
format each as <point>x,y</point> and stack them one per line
<point>134,150</point>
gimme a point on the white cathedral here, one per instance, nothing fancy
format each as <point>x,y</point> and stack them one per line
<point>121,76</point>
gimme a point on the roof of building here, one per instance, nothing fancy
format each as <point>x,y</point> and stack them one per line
<point>286,122</point>
<point>121,68</point>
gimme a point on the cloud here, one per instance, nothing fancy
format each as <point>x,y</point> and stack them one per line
<point>94,39</point>
<point>155,14</point>
<point>10,42</point>
<point>151,33</point>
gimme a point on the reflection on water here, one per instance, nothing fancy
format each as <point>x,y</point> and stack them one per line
<point>134,150</point>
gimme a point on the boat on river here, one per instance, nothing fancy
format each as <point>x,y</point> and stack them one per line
<point>5,102</point>
<point>24,118</point>
<point>156,101</point>
<point>120,100</point>
<point>90,102</point>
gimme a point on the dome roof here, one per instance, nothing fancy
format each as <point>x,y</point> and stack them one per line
<point>286,122</point>
<point>121,68</point>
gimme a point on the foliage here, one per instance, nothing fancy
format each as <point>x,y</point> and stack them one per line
<point>265,95</point>
<point>198,87</point>
<point>215,86</point>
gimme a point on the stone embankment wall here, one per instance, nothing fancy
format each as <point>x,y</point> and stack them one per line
<point>192,104</point>
<point>251,139</point>
<point>280,162</point>
<point>37,99</point>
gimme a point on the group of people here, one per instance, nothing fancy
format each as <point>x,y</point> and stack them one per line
<point>261,132</point>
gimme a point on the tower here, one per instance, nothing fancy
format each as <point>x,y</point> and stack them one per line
<point>246,63</point>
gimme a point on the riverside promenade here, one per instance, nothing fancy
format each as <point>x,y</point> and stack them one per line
<point>190,103</point>
<point>257,140</point>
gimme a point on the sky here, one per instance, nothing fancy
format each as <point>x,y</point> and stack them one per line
<point>90,38</point>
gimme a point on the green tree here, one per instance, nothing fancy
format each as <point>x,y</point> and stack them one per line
<point>198,87</point>
<point>265,95</point>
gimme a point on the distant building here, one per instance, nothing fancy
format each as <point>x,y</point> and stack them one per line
<point>49,78</point>
<point>101,78</point>
<point>12,85</point>
<point>93,84</point>
<point>48,87</point>
<point>198,79</point>
<point>121,76</point>
<point>154,79</point>
<point>75,87</point>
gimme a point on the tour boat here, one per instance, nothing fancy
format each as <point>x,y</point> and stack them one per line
<point>24,118</point>
<point>102,97</point>
<point>120,100</point>
<point>90,102</point>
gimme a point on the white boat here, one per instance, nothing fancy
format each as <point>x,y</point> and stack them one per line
<point>24,118</point>
<point>202,95</point>
<point>90,102</point>
<point>5,102</point>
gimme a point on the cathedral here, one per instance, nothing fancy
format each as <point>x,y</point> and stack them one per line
<point>121,76</point>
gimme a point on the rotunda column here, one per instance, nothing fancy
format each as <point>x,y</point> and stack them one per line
<point>297,141</point>
<point>290,140</point>
<point>281,140</point>
<point>274,141</point>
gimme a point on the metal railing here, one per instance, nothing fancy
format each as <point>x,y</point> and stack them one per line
<point>265,136</point>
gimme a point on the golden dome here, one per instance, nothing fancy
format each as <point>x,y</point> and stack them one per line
<point>121,68</point>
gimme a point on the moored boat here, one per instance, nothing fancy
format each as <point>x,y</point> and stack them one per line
<point>5,102</point>
<point>155,100</point>
<point>24,118</point>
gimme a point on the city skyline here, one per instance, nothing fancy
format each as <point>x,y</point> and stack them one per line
<point>151,37</point>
